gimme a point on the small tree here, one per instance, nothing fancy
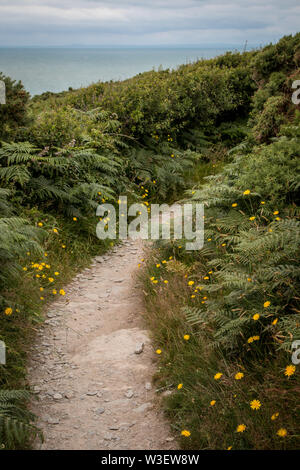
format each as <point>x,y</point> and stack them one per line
<point>13,113</point>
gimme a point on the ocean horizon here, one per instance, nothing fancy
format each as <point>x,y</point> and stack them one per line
<point>55,69</point>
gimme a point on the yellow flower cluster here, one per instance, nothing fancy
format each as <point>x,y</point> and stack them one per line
<point>252,338</point>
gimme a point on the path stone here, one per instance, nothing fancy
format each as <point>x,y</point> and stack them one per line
<point>139,348</point>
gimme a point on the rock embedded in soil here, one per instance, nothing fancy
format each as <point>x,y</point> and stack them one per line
<point>139,348</point>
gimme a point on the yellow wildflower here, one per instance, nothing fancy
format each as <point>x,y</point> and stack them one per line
<point>241,428</point>
<point>179,386</point>
<point>239,376</point>
<point>8,311</point>
<point>255,404</point>
<point>281,432</point>
<point>218,375</point>
<point>289,370</point>
<point>274,416</point>
<point>62,292</point>
<point>186,337</point>
<point>267,304</point>
<point>256,316</point>
<point>212,403</point>
<point>247,192</point>
<point>158,351</point>
<point>185,433</point>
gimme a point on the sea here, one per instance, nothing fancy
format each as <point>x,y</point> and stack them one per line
<point>56,69</point>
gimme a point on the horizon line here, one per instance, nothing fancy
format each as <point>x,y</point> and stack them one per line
<point>133,46</point>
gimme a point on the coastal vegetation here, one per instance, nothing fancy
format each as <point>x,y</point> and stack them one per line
<point>223,132</point>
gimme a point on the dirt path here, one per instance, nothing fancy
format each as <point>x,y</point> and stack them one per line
<point>93,362</point>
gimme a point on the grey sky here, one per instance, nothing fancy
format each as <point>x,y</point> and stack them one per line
<point>147,22</point>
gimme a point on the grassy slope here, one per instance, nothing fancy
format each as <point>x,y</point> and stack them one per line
<point>243,284</point>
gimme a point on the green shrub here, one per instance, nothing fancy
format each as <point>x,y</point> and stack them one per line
<point>13,114</point>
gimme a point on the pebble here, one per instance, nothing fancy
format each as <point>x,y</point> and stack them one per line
<point>139,348</point>
<point>143,408</point>
<point>57,396</point>
<point>53,421</point>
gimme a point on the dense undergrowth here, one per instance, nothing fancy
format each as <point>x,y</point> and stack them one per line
<point>225,318</point>
<point>152,137</point>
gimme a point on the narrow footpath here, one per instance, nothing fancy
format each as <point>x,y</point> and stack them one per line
<point>92,363</point>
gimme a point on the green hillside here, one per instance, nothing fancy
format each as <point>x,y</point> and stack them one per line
<point>224,132</point>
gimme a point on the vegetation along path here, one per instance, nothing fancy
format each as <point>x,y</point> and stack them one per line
<point>92,363</point>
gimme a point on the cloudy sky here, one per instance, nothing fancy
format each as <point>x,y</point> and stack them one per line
<point>146,22</point>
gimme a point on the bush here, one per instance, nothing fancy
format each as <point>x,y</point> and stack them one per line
<point>14,113</point>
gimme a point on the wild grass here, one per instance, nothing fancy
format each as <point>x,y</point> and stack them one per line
<point>211,410</point>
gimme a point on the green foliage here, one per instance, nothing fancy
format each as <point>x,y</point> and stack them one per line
<point>57,127</point>
<point>150,137</point>
<point>211,409</point>
<point>17,237</point>
<point>16,423</point>
<point>270,119</point>
<point>279,57</point>
<point>168,102</point>
<point>242,309</point>
<point>254,246</point>
<point>14,113</point>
